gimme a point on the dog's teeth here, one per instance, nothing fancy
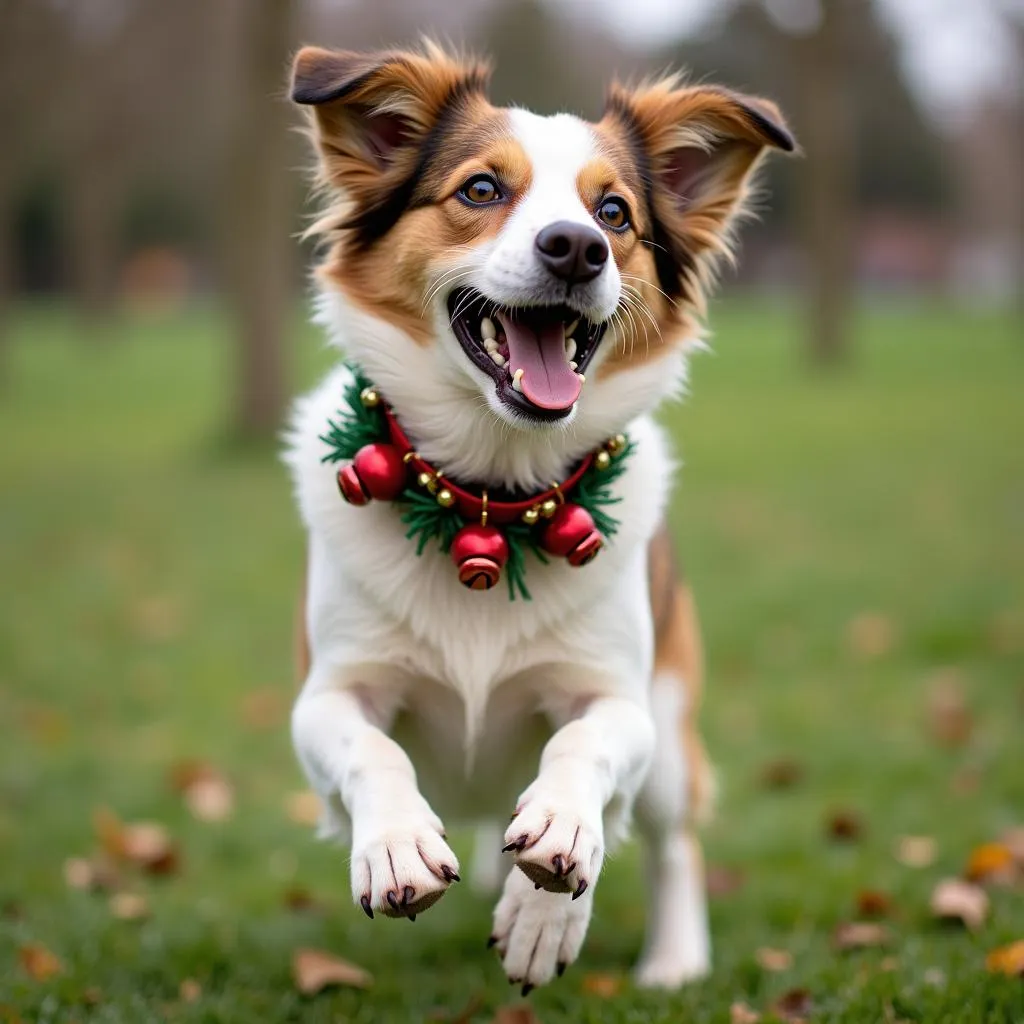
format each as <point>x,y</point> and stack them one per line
<point>570,347</point>
<point>491,345</point>
<point>517,380</point>
<point>569,328</point>
<point>497,358</point>
<point>573,364</point>
<point>487,329</point>
<point>583,380</point>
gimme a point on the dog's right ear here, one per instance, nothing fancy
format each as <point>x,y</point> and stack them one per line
<point>371,112</point>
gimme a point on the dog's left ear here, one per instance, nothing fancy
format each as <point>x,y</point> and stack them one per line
<point>372,113</point>
<point>698,148</point>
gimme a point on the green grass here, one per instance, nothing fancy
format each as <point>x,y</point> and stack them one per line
<point>149,572</point>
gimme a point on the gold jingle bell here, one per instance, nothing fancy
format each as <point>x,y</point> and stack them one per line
<point>602,460</point>
<point>617,444</point>
<point>530,516</point>
<point>547,508</point>
<point>370,397</point>
<point>445,498</point>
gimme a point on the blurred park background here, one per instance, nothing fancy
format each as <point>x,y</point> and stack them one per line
<point>851,510</point>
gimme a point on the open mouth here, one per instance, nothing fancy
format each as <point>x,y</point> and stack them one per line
<point>537,355</point>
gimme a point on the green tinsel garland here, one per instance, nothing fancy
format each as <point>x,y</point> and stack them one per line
<point>359,425</point>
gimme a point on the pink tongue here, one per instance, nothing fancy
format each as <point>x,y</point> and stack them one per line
<point>538,349</point>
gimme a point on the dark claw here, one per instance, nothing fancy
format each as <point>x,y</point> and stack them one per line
<point>559,864</point>
<point>407,895</point>
<point>492,942</point>
<point>412,917</point>
<point>580,889</point>
<point>449,875</point>
<point>536,885</point>
<point>527,989</point>
<point>513,981</point>
<point>365,904</point>
<point>393,900</point>
<point>560,969</point>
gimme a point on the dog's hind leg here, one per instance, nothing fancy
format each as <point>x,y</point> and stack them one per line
<point>677,946</point>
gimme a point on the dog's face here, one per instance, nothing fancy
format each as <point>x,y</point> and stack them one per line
<point>536,258</point>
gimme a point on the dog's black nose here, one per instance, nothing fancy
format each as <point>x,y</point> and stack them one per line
<point>572,252</point>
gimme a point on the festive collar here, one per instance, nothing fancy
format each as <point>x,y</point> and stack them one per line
<point>482,534</point>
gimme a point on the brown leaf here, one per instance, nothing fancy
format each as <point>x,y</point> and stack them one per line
<point>956,900</point>
<point>521,1014</point>
<point>870,635</point>
<point>873,903</point>
<point>303,807</point>
<point>314,970</point>
<point>1007,959</point>
<point>991,862</point>
<point>78,873</point>
<point>741,1013</point>
<point>38,962</point>
<point>298,899</point>
<point>782,773</point>
<point>949,719</point>
<point>845,827</point>
<point>211,799</point>
<point>916,851</point>
<point>605,986</point>
<point>145,844</point>
<point>129,906</point>
<point>264,709</point>
<point>793,1006</point>
<point>1013,840</point>
<point>190,990</point>
<point>774,959</point>
<point>860,935</point>
<point>721,880</point>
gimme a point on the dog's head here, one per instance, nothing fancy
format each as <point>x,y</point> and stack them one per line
<point>545,263</point>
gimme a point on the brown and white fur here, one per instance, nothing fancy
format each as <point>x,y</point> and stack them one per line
<point>426,702</point>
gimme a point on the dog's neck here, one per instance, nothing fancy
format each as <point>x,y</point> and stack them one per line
<point>448,419</point>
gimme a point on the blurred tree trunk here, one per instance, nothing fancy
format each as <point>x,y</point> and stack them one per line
<point>92,234</point>
<point>258,244</point>
<point>822,63</point>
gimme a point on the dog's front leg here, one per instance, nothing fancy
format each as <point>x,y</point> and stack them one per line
<point>590,772</point>
<point>401,863</point>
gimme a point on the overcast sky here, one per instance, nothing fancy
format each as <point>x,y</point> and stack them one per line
<point>954,52</point>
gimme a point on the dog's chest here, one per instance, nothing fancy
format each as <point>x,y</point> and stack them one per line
<point>470,766</point>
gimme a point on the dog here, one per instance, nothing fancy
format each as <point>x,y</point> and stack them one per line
<point>516,295</point>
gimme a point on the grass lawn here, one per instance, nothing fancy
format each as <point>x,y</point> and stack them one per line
<point>857,548</point>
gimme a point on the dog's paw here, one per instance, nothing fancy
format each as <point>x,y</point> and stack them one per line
<point>402,866</point>
<point>557,839</point>
<point>536,933</point>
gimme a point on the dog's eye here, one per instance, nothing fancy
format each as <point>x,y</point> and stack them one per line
<point>480,190</point>
<point>614,213</point>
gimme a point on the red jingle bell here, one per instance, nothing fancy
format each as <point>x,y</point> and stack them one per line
<point>377,472</point>
<point>480,552</point>
<point>571,534</point>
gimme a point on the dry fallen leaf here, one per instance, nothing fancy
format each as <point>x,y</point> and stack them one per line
<point>949,718</point>
<point>774,959</point>
<point>190,990</point>
<point>38,962</point>
<point>741,1013</point>
<point>916,851</point>
<point>211,799</point>
<point>146,844</point>
<point>314,970</point>
<point>264,709</point>
<point>522,1014</point>
<point>870,635</point>
<point>97,872</point>
<point>78,873</point>
<point>721,880</point>
<point>1007,959</point>
<point>860,935</point>
<point>956,900</point>
<point>782,773</point>
<point>303,807</point>
<point>129,906</point>
<point>607,986</point>
<point>1013,840</point>
<point>793,1006</point>
<point>845,826</point>
<point>991,862</point>
<point>873,903</point>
